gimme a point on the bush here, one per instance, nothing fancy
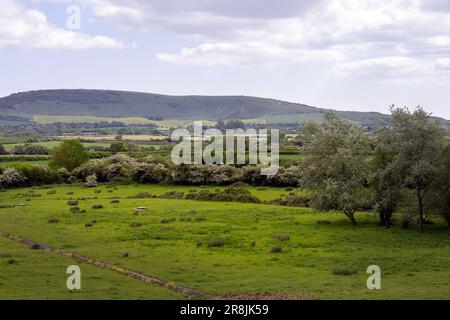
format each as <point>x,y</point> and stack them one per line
<point>97,206</point>
<point>276,249</point>
<point>53,220</point>
<point>149,173</point>
<point>344,271</point>
<point>91,181</point>
<point>72,202</point>
<point>75,210</point>
<point>135,224</point>
<point>115,201</point>
<point>282,237</point>
<point>292,200</point>
<point>168,220</point>
<point>216,242</point>
<point>35,246</point>
<point>11,177</point>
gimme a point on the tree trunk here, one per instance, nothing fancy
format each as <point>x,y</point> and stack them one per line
<point>448,228</point>
<point>351,217</point>
<point>420,206</point>
<point>388,219</point>
<point>382,218</point>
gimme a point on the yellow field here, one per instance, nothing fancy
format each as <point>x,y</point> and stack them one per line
<point>164,124</point>
<point>141,137</point>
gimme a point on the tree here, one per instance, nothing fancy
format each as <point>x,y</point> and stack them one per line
<point>440,197</point>
<point>2,150</point>
<point>386,178</point>
<point>335,164</point>
<point>417,140</point>
<point>69,154</point>
<point>118,147</point>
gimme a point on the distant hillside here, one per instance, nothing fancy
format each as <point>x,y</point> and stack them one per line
<point>135,104</point>
<point>120,104</point>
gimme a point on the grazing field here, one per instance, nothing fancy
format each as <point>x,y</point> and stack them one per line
<point>11,163</point>
<point>135,137</point>
<point>168,123</point>
<point>222,249</point>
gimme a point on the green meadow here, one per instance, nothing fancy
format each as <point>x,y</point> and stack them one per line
<point>221,249</point>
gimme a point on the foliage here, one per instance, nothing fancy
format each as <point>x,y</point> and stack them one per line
<point>335,164</point>
<point>69,154</point>
<point>417,140</point>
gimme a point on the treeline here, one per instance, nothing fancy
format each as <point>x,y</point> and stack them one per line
<point>102,127</point>
<point>347,169</point>
<point>124,169</point>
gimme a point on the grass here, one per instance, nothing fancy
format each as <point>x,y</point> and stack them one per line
<point>31,274</point>
<point>310,264</point>
<point>168,123</point>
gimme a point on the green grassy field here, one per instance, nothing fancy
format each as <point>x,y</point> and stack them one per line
<point>414,265</point>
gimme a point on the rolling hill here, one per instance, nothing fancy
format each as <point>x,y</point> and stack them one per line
<point>121,104</point>
<point>136,104</point>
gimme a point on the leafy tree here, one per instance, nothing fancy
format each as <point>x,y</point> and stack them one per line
<point>2,150</point>
<point>69,154</point>
<point>335,164</point>
<point>440,197</point>
<point>118,147</point>
<point>386,178</point>
<point>417,140</point>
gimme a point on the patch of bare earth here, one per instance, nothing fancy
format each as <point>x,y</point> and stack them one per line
<point>270,296</point>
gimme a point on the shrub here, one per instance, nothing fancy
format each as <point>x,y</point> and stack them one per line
<point>91,181</point>
<point>216,242</point>
<point>172,195</point>
<point>35,246</point>
<point>88,225</point>
<point>135,224</point>
<point>53,220</point>
<point>323,222</point>
<point>149,173</point>
<point>115,201</point>
<point>11,177</point>
<point>97,206</point>
<point>292,200</point>
<point>72,202</point>
<point>276,249</point>
<point>344,271</point>
<point>282,237</point>
<point>75,210</point>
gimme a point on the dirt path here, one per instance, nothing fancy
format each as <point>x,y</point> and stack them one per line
<point>105,265</point>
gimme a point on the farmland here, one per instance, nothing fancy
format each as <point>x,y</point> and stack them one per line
<point>171,240</point>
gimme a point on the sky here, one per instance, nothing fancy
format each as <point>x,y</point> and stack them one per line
<point>340,54</point>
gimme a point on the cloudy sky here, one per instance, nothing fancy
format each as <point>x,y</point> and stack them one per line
<point>343,54</point>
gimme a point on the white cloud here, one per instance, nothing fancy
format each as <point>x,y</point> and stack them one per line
<point>392,38</point>
<point>30,28</point>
